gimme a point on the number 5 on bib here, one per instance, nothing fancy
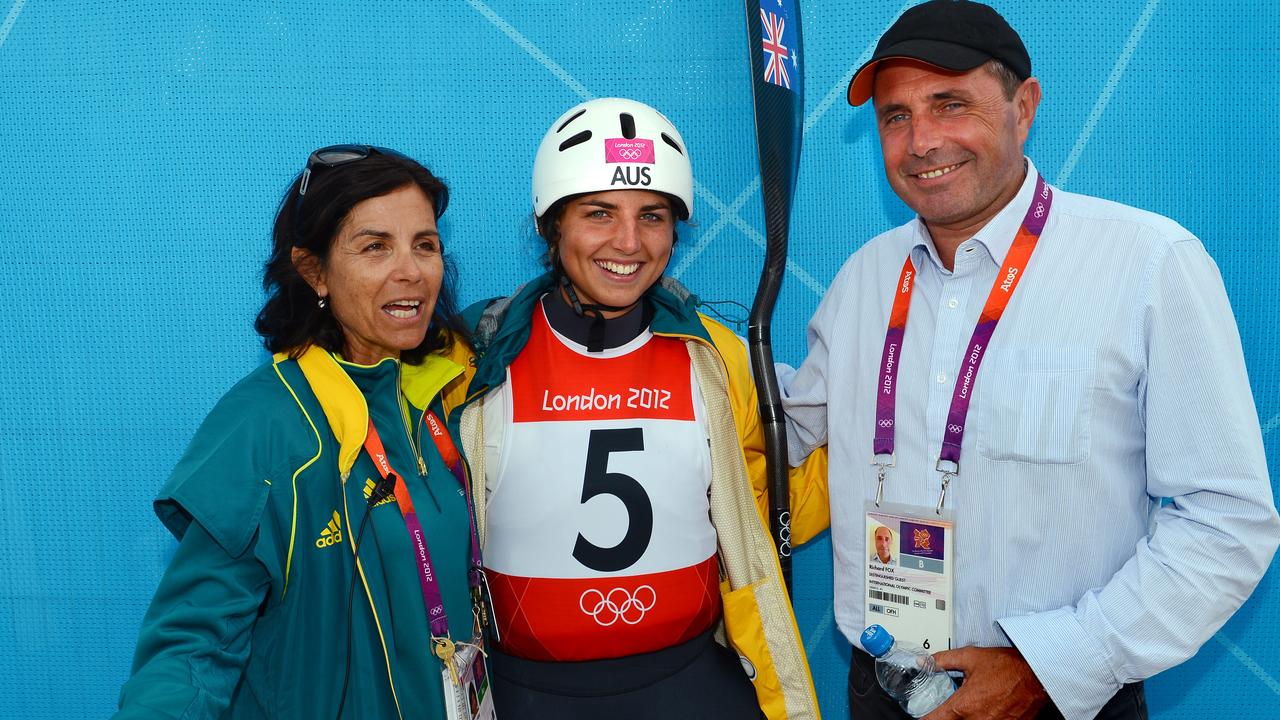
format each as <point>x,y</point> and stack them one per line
<point>597,480</point>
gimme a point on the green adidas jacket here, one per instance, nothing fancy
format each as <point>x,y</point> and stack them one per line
<point>250,618</point>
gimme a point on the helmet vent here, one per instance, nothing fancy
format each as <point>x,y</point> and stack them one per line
<point>628,125</point>
<point>668,140</point>
<point>578,139</point>
<point>565,124</point>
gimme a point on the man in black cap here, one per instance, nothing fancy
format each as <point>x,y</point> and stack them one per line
<point>1052,366</point>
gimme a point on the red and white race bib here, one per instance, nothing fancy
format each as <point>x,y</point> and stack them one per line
<point>599,541</point>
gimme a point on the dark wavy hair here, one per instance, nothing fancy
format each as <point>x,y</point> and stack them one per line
<point>291,320</point>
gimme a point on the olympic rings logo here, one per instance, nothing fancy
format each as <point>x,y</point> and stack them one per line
<point>629,153</point>
<point>886,423</point>
<point>618,604</point>
<point>955,428</point>
<point>784,534</point>
<point>1039,210</point>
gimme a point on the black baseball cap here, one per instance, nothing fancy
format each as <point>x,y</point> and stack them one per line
<point>951,34</point>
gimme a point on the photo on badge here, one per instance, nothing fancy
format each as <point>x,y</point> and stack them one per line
<point>881,540</point>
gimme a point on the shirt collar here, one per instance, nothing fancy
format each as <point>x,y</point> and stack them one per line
<point>996,236</point>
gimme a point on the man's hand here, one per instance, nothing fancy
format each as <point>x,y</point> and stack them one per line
<point>998,685</point>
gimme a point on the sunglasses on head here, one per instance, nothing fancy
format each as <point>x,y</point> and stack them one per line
<point>336,155</point>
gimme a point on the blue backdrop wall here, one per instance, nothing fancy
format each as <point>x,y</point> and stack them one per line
<point>146,145</point>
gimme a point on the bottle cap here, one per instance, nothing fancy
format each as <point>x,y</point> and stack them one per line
<point>876,640</point>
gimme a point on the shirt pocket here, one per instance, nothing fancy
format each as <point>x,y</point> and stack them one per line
<point>1036,404</point>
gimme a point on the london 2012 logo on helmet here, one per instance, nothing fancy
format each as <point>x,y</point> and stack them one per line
<point>618,604</point>
<point>622,150</point>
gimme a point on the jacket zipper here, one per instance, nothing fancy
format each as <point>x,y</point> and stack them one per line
<point>408,434</point>
<point>404,418</point>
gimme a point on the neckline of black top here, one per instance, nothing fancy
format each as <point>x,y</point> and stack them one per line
<point>618,331</point>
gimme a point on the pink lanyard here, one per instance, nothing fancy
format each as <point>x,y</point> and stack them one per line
<point>1015,263</point>
<point>437,620</point>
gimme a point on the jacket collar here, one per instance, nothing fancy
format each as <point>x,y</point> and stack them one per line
<point>344,405</point>
<point>503,329</point>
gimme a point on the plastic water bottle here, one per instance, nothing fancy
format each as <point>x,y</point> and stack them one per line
<point>907,672</point>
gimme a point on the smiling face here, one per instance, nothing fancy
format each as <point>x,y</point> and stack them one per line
<point>382,276</point>
<point>884,543</point>
<point>952,143</point>
<point>614,245</point>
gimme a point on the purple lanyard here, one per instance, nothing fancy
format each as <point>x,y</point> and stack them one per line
<point>1015,263</point>
<point>437,620</point>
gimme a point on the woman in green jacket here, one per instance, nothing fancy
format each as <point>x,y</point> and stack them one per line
<point>310,581</point>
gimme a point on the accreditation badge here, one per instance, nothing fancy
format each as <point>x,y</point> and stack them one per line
<point>467,690</point>
<point>909,577</point>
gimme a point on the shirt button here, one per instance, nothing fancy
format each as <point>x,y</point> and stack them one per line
<point>952,303</point>
<point>942,377</point>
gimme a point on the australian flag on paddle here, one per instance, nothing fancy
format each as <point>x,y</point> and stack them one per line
<point>778,33</point>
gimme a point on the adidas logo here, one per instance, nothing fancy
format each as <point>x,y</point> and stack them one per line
<point>369,486</point>
<point>332,533</point>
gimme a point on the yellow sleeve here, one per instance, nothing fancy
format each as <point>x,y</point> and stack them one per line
<point>810,503</point>
<point>810,511</point>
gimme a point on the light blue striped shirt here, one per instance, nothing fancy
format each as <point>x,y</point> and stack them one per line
<point>1115,378</point>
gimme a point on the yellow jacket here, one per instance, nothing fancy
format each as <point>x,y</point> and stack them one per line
<point>758,620</point>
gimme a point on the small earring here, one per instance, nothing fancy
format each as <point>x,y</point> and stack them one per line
<point>321,302</point>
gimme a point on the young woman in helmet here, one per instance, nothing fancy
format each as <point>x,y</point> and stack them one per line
<point>615,447</point>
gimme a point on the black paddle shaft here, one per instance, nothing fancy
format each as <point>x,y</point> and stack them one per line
<point>779,118</point>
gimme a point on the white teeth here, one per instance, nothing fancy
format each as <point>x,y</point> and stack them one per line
<point>937,173</point>
<point>403,308</point>
<point>618,268</point>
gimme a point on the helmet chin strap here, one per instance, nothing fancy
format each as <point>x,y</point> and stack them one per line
<point>595,333</point>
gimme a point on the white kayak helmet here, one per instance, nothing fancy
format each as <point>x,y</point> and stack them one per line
<point>612,144</point>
